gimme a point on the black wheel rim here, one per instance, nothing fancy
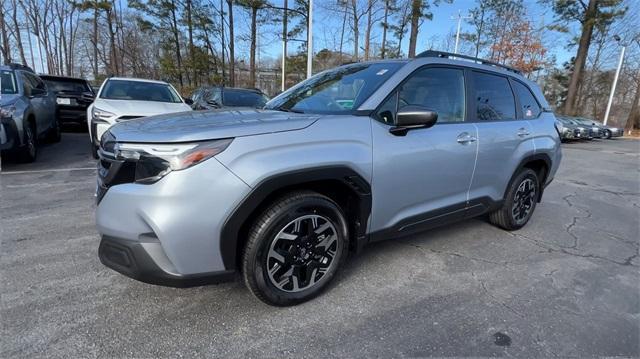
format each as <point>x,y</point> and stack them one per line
<point>523,200</point>
<point>302,253</point>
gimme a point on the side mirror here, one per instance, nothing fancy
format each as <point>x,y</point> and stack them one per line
<point>412,117</point>
<point>188,101</point>
<point>37,92</point>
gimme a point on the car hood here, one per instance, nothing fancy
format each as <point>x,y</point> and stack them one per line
<point>139,108</point>
<point>208,125</point>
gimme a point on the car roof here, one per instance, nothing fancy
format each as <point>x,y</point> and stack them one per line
<point>58,77</point>
<point>137,80</point>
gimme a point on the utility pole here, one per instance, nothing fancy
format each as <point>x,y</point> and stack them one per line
<point>222,31</point>
<point>459,17</point>
<point>615,80</point>
<point>284,46</point>
<point>310,41</point>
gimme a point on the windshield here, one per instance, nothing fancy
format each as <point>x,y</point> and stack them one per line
<point>8,83</point>
<point>66,85</point>
<point>139,91</point>
<point>239,98</point>
<point>336,91</point>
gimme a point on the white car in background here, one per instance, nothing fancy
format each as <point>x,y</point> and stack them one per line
<point>122,99</point>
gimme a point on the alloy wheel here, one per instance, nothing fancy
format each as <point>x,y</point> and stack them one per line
<point>523,200</point>
<point>302,253</point>
<point>30,139</point>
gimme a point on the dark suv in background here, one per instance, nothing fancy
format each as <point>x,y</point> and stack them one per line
<point>73,96</point>
<point>27,112</point>
<point>209,98</point>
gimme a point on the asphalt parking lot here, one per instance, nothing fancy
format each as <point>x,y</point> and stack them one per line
<point>568,284</point>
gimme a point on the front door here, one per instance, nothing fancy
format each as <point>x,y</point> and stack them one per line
<point>422,179</point>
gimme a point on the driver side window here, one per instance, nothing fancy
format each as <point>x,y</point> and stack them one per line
<point>437,89</point>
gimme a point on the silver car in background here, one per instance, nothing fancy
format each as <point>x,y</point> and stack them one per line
<point>357,154</point>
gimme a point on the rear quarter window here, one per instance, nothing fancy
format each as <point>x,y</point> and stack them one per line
<point>494,98</point>
<point>530,107</point>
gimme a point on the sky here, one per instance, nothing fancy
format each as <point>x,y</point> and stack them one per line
<point>443,24</point>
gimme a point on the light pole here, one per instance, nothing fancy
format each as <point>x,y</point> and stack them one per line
<point>284,46</point>
<point>615,80</point>
<point>459,17</point>
<point>310,41</point>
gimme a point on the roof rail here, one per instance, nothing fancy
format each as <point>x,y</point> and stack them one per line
<point>448,55</point>
<point>15,66</point>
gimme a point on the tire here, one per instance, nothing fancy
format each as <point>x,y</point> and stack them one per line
<point>94,151</point>
<point>523,193</point>
<point>285,260</point>
<point>29,151</point>
<point>606,134</point>
<point>55,133</point>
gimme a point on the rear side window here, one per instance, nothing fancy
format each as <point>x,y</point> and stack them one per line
<point>494,98</point>
<point>530,107</point>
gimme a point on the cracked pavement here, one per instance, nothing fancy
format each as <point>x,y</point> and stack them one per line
<point>566,285</point>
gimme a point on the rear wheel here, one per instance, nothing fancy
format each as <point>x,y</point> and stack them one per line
<point>295,248</point>
<point>55,133</point>
<point>519,203</point>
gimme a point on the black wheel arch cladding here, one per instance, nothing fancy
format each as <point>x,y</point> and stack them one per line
<point>336,179</point>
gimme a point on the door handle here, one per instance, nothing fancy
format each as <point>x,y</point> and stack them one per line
<point>523,132</point>
<point>465,138</point>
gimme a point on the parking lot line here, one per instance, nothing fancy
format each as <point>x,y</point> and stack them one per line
<point>49,170</point>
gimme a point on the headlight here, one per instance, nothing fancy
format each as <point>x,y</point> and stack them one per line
<point>7,111</point>
<point>154,161</point>
<point>101,115</point>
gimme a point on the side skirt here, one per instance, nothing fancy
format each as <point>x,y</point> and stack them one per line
<point>437,218</point>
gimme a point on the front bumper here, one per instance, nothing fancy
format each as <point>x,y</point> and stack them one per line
<point>72,114</point>
<point>132,259</point>
<point>9,135</point>
<point>174,224</point>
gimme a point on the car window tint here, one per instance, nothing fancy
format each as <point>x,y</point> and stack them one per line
<point>530,107</point>
<point>8,83</point>
<point>239,98</point>
<point>438,89</point>
<point>494,99</point>
<point>66,85</point>
<point>27,82</point>
<point>387,112</point>
<point>139,91</point>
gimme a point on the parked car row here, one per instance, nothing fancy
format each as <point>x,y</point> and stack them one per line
<point>34,107</point>
<point>578,128</point>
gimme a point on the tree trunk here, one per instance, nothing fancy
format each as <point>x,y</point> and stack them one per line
<point>479,32</point>
<point>356,29</point>
<point>6,50</point>
<point>633,121</point>
<point>232,60</point>
<point>18,35</point>
<point>113,58</point>
<point>416,8</point>
<point>95,42</point>
<point>176,38</point>
<point>344,24</point>
<point>285,36</point>
<point>367,36</point>
<point>581,57</point>
<point>252,57</point>
<point>191,52</point>
<point>385,26</point>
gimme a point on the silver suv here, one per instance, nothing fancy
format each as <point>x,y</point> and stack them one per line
<point>356,154</point>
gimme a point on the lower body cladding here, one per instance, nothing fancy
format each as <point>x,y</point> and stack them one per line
<point>168,232</point>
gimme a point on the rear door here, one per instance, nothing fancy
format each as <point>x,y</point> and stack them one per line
<point>504,137</point>
<point>422,179</point>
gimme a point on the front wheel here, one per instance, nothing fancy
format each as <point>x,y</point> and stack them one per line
<point>295,248</point>
<point>519,203</point>
<point>29,150</point>
<point>606,134</point>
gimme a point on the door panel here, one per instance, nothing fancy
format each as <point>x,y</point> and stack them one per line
<point>416,175</point>
<point>503,139</point>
